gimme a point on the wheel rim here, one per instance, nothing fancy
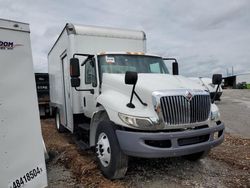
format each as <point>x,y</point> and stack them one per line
<point>103,149</point>
<point>57,121</point>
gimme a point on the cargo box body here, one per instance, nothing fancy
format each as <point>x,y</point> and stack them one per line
<point>21,144</point>
<point>84,40</point>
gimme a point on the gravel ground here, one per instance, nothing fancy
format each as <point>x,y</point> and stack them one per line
<point>226,166</point>
<point>235,111</point>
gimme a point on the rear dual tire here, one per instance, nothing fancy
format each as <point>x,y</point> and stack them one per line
<point>59,126</point>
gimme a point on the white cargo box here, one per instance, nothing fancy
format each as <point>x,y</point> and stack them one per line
<point>21,145</point>
<point>84,40</point>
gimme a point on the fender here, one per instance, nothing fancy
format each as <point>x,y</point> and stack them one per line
<point>100,115</point>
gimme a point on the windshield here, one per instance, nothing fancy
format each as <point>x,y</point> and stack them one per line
<point>116,63</point>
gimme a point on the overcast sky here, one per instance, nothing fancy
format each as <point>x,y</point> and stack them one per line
<point>205,36</point>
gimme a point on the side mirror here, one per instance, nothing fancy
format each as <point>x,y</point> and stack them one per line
<point>131,78</point>
<point>175,68</point>
<point>75,82</point>
<point>75,72</point>
<point>74,68</point>
<point>217,79</point>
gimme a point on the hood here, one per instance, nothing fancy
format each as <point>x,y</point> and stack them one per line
<point>147,84</point>
<point>116,94</point>
<point>150,82</point>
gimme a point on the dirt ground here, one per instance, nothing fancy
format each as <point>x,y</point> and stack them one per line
<point>227,165</point>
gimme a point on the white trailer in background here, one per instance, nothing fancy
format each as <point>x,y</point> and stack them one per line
<point>22,162</point>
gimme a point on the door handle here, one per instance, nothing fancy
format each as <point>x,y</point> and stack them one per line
<point>84,101</point>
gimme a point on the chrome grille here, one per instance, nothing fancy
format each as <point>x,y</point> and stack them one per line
<point>178,110</point>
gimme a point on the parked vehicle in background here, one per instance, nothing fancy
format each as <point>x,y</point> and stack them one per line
<point>209,86</point>
<point>42,89</point>
<point>123,102</point>
<point>243,85</point>
<point>21,144</point>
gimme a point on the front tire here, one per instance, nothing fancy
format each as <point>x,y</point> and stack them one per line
<point>112,161</point>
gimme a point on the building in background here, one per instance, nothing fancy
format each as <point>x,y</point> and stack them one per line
<point>237,81</point>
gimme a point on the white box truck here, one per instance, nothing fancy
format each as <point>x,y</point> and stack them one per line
<point>21,144</point>
<point>123,102</point>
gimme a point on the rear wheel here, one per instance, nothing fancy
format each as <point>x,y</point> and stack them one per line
<point>112,161</point>
<point>59,126</point>
<point>196,156</point>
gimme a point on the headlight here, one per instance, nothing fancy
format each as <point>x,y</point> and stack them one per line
<point>138,122</point>
<point>215,114</point>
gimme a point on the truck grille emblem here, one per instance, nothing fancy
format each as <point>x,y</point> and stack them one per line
<point>188,96</point>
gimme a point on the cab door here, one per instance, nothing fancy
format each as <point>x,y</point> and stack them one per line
<point>90,81</point>
<point>67,115</point>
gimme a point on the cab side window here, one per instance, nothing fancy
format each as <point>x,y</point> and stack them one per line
<point>90,73</point>
<point>156,68</point>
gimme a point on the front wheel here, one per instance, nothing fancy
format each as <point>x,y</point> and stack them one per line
<point>112,161</point>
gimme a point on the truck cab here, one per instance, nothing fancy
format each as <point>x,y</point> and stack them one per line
<point>152,112</point>
<point>106,71</point>
<point>133,106</point>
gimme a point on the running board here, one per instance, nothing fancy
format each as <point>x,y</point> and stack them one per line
<point>82,145</point>
<point>84,126</point>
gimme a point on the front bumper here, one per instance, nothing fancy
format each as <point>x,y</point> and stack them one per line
<point>149,145</point>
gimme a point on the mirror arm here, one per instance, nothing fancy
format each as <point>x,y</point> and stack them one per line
<point>130,104</point>
<point>92,91</point>
<point>88,58</point>
<point>75,54</point>
<point>143,103</point>
<point>85,61</point>
<point>215,93</point>
<point>173,59</point>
